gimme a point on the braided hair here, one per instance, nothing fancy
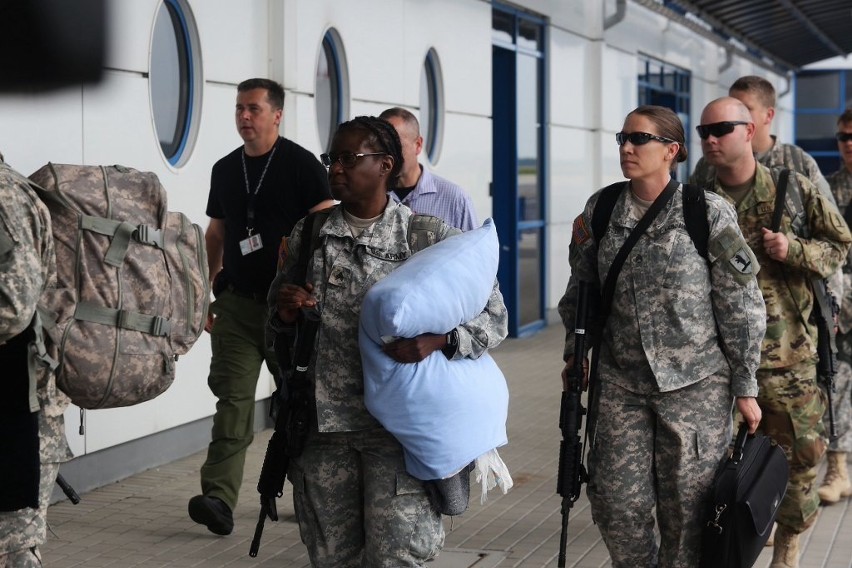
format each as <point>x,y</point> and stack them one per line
<point>382,137</point>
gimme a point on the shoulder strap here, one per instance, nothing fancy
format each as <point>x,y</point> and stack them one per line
<point>603,208</point>
<point>608,289</point>
<point>780,199</point>
<point>695,217</point>
<point>422,231</point>
<point>797,159</point>
<point>310,242</point>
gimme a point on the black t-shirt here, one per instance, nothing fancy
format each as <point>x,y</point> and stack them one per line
<point>294,183</point>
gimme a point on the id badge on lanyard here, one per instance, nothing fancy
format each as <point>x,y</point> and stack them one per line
<point>253,242</point>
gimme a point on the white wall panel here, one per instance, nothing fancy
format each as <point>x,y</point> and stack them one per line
<point>131,23</point>
<point>573,74</point>
<point>234,38</point>
<point>41,128</point>
<point>584,17</point>
<point>618,88</point>
<point>574,162</point>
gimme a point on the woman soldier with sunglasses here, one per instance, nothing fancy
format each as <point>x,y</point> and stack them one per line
<point>355,503</point>
<point>680,345</point>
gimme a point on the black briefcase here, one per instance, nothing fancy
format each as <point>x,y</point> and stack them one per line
<point>743,502</point>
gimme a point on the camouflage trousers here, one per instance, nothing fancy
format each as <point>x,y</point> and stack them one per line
<point>842,396</point>
<point>793,407</point>
<point>21,532</point>
<point>239,350</point>
<point>656,450</point>
<point>357,506</point>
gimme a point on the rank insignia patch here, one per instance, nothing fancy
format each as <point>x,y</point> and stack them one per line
<point>581,232</point>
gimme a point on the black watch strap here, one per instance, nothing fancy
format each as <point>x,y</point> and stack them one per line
<point>452,346</point>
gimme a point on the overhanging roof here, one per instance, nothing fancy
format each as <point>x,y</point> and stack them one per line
<point>792,33</point>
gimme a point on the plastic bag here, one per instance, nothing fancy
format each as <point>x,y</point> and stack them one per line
<point>491,472</point>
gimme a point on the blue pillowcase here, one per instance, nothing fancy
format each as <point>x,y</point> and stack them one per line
<point>444,413</point>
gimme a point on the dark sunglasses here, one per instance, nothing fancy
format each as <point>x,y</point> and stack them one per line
<point>345,159</point>
<point>843,136</point>
<point>717,129</point>
<point>639,138</point>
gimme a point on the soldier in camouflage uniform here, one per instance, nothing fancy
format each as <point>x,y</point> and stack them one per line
<point>758,95</point>
<point>680,345</point>
<point>836,485</point>
<point>354,501</point>
<point>791,401</point>
<point>28,265</point>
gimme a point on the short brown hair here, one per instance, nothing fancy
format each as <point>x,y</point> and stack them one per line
<point>846,117</point>
<point>758,85</point>
<point>274,91</point>
<point>668,124</point>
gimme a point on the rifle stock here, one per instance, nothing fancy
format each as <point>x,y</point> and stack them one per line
<point>572,474</point>
<point>292,419</point>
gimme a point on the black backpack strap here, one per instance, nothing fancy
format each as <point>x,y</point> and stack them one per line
<point>310,242</point>
<point>695,217</point>
<point>603,208</point>
<point>780,199</point>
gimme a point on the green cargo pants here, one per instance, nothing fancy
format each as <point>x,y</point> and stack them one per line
<point>239,350</point>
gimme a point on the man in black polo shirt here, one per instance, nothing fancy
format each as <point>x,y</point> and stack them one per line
<point>257,193</point>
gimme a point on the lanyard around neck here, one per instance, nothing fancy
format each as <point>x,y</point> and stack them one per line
<point>253,195</point>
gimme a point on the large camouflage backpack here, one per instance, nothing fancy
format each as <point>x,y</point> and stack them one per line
<point>132,290</point>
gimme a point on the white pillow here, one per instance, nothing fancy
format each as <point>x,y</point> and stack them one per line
<point>444,413</point>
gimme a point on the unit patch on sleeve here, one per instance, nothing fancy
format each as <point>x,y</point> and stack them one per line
<point>742,261</point>
<point>581,232</point>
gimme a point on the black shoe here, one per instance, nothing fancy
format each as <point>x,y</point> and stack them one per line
<point>213,513</point>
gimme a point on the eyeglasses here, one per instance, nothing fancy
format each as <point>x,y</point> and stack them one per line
<point>843,136</point>
<point>346,159</point>
<point>717,129</point>
<point>639,138</point>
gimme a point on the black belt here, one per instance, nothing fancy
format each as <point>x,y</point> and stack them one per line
<point>257,297</point>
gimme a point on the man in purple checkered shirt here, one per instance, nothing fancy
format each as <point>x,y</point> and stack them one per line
<point>418,188</point>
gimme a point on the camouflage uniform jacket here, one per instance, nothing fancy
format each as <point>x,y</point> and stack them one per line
<point>28,265</point>
<point>781,155</point>
<point>790,334</point>
<point>841,187</point>
<point>342,270</point>
<point>671,313</point>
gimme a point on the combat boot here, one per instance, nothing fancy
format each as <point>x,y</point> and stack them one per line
<point>785,553</point>
<point>836,484</point>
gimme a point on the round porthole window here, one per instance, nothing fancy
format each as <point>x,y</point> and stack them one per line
<point>330,96</point>
<point>431,105</point>
<point>175,80</point>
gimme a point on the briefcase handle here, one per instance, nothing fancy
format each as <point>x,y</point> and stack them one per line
<point>739,444</point>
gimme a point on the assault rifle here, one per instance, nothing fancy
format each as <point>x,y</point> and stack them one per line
<point>825,310</point>
<point>572,474</point>
<point>292,420</point>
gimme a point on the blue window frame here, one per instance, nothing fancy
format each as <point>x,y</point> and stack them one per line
<point>175,78</point>
<point>663,84</point>
<point>330,98</point>
<point>821,97</point>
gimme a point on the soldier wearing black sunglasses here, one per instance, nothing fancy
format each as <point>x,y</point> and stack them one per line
<point>789,395</point>
<point>758,95</point>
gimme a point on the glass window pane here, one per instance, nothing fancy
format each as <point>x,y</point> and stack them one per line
<point>529,272</point>
<point>529,34</point>
<point>502,27</point>
<point>327,93</point>
<point>529,182</point>
<point>170,79</point>
<point>818,91</point>
<point>430,106</point>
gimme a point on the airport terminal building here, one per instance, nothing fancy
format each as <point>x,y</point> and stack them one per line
<point>519,103</point>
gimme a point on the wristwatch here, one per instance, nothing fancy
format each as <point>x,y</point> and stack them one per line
<point>452,345</point>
